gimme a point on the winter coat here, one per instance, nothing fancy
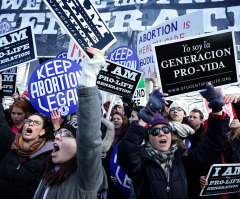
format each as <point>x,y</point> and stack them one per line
<point>19,180</point>
<point>148,177</point>
<point>89,178</point>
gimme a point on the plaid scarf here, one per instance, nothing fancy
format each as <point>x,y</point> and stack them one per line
<point>23,149</point>
<point>163,158</point>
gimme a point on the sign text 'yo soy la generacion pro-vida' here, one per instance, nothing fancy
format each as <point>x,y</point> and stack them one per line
<point>52,85</point>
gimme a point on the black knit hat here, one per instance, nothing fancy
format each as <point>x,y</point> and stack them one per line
<point>71,126</point>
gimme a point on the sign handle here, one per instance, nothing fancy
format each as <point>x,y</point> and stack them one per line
<point>112,99</point>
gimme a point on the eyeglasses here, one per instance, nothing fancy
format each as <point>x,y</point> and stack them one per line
<point>63,134</point>
<point>35,122</point>
<point>156,131</point>
<point>176,109</point>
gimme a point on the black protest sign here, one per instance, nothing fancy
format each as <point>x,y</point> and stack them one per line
<point>187,65</point>
<point>17,47</point>
<point>83,23</point>
<point>8,83</point>
<point>222,179</point>
<point>118,79</point>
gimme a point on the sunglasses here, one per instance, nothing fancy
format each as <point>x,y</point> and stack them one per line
<point>176,109</point>
<point>156,131</point>
<point>35,122</point>
<point>64,134</point>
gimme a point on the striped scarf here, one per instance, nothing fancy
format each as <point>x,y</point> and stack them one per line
<point>163,158</point>
<point>23,149</point>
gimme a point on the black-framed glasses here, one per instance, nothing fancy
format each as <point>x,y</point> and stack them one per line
<point>176,109</point>
<point>156,131</point>
<point>65,133</point>
<point>35,122</point>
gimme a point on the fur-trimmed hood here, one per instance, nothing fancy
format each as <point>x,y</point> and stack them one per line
<point>108,133</point>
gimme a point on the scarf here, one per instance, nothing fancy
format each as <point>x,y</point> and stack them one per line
<point>163,158</point>
<point>183,130</point>
<point>24,149</point>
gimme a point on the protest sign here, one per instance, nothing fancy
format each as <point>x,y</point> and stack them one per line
<point>186,65</point>
<point>123,181</point>
<point>74,53</point>
<point>62,54</point>
<point>222,179</point>
<point>180,27</point>
<point>117,79</point>
<point>11,70</point>
<point>17,47</point>
<point>9,84</point>
<point>52,85</point>
<point>83,23</point>
<point>139,96</point>
<point>125,56</point>
<point>5,26</point>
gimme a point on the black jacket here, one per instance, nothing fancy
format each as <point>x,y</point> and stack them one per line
<point>19,180</point>
<point>149,179</point>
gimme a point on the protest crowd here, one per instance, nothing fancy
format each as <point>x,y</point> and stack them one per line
<point>62,138</point>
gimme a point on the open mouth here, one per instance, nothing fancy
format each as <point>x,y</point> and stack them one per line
<point>55,147</point>
<point>163,141</point>
<point>29,131</point>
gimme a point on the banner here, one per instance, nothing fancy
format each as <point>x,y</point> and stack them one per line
<point>139,96</point>
<point>83,23</point>
<point>17,47</point>
<point>178,28</point>
<point>74,53</point>
<point>9,84</point>
<point>186,65</point>
<point>116,79</point>
<point>123,181</point>
<point>125,18</point>
<point>126,56</point>
<point>52,85</point>
<point>222,179</point>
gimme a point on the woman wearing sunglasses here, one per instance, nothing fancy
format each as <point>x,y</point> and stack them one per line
<point>22,156</point>
<point>75,170</point>
<point>159,167</point>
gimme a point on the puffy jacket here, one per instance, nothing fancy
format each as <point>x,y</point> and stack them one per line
<point>19,180</point>
<point>149,179</point>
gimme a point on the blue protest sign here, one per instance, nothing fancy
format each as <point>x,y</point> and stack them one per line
<point>62,54</point>
<point>52,85</point>
<point>125,56</point>
<point>123,181</point>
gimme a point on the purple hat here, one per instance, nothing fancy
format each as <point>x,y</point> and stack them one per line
<point>158,119</point>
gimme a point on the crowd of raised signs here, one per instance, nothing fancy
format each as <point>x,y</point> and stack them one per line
<point>164,150</point>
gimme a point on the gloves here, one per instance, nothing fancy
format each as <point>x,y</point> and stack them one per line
<point>90,71</point>
<point>127,99</point>
<point>155,104</point>
<point>214,97</point>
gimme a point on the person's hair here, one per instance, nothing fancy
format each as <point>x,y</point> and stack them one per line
<point>231,134</point>
<point>124,119</point>
<point>22,105</point>
<point>198,111</point>
<point>137,110</point>
<point>63,173</point>
<point>49,134</point>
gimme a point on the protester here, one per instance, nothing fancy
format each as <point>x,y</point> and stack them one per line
<point>74,117</point>
<point>135,114</point>
<point>118,107</point>
<point>159,167</point>
<point>23,156</point>
<point>179,122</point>
<point>20,110</point>
<point>231,152</point>
<point>165,111</point>
<point>120,125</point>
<point>76,169</point>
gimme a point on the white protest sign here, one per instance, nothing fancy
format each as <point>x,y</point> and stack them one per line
<point>139,96</point>
<point>180,27</point>
<point>74,53</point>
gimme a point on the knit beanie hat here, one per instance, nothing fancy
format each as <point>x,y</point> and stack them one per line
<point>71,126</point>
<point>158,119</point>
<point>179,103</point>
